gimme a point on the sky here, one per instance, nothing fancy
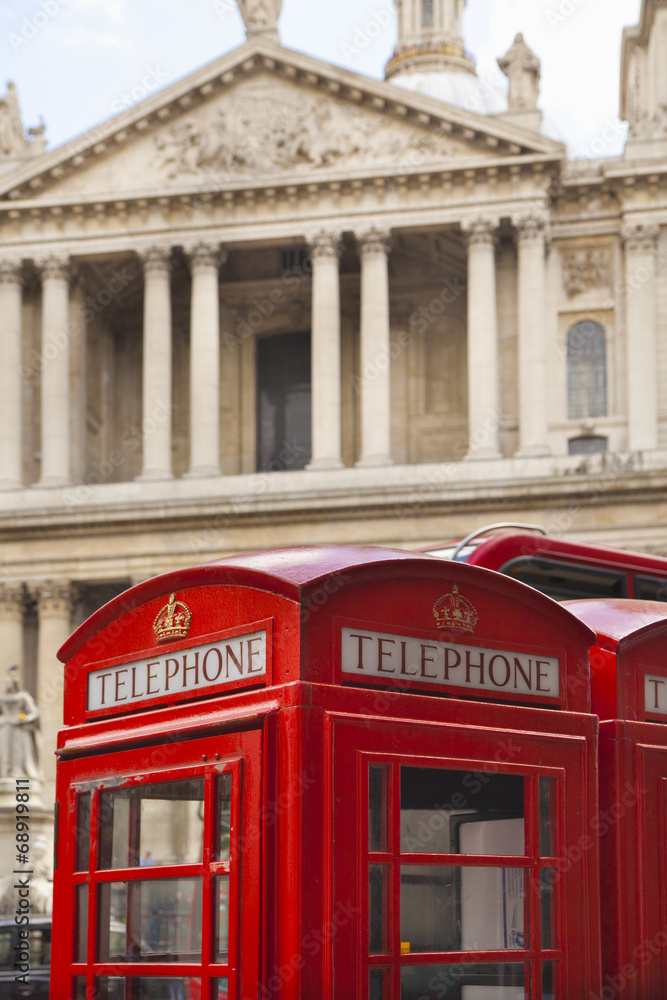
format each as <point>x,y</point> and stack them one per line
<point>78,62</point>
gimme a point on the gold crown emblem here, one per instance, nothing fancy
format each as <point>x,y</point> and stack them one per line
<point>173,621</point>
<point>455,613</point>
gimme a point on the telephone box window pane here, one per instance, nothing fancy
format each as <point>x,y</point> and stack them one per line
<point>147,988</point>
<point>150,921</point>
<point>461,812</point>
<point>224,810</point>
<point>548,882</point>
<point>219,989</point>
<point>547,817</point>
<point>81,921</point>
<point>378,896</point>
<point>79,988</point>
<point>447,908</point>
<point>549,987</point>
<point>82,831</point>
<point>378,987</point>
<point>463,982</point>
<point>147,825</point>
<point>377,807</point>
<point>222,920</point>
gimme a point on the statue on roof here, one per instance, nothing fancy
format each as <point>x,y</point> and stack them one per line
<point>13,140</point>
<point>523,69</point>
<point>260,16</point>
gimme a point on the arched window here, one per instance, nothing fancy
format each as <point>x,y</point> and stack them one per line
<point>586,371</point>
<point>427,13</point>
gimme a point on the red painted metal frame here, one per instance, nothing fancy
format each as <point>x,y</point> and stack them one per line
<point>303,911</point>
<point>570,759</point>
<point>240,754</point>
<point>632,824</point>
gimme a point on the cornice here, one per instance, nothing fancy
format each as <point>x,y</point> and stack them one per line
<point>257,56</point>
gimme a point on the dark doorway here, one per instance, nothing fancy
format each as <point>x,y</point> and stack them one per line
<point>283,402</point>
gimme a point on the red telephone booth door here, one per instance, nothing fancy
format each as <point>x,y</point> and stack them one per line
<point>649,960</point>
<point>453,840</point>
<point>164,872</point>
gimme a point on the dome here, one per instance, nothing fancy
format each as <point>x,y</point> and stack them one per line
<point>463,90</point>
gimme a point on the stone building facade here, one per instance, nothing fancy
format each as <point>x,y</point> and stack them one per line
<point>280,302</point>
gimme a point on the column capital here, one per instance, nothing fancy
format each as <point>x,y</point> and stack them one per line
<point>55,267</point>
<point>203,254</point>
<point>373,241</point>
<point>480,231</point>
<point>155,259</point>
<point>325,244</point>
<point>53,596</point>
<point>640,235</point>
<point>531,226</point>
<point>12,598</point>
<point>11,272</point>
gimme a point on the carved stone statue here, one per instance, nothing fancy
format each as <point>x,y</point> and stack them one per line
<point>260,16</point>
<point>19,722</point>
<point>523,69</point>
<point>12,135</point>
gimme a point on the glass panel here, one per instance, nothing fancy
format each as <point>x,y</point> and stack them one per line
<point>378,986</point>
<point>650,588</point>
<point>378,783</point>
<point>222,920</point>
<point>452,812</point>
<point>549,985</point>
<point>82,831</point>
<point>81,919</point>
<point>378,896</point>
<point>6,954</point>
<point>151,921</point>
<point>548,880</point>
<point>447,908</point>
<point>463,982</point>
<point>547,817</point>
<point>224,812</point>
<point>219,989</point>
<point>40,945</point>
<point>145,988</point>
<point>79,988</point>
<point>147,825</point>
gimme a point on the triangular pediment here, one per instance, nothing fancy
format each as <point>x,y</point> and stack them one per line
<point>265,114</point>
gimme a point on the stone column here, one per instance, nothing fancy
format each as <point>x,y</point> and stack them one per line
<point>375,349</point>
<point>55,370</point>
<point>642,363</point>
<point>205,361</point>
<point>12,600</point>
<point>325,347</point>
<point>533,404</point>
<point>157,375</point>
<point>483,373</point>
<point>54,606</point>
<point>11,301</point>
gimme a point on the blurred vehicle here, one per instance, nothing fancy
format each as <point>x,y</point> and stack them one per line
<point>560,569</point>
<point>36,985</point>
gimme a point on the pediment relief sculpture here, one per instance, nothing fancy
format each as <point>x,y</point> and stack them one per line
<point>257,133</point>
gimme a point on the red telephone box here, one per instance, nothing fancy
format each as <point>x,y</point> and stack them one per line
<point>629,693</point>
<point>347,773</point>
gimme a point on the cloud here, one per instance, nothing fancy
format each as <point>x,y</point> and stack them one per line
<point>80,36</point>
